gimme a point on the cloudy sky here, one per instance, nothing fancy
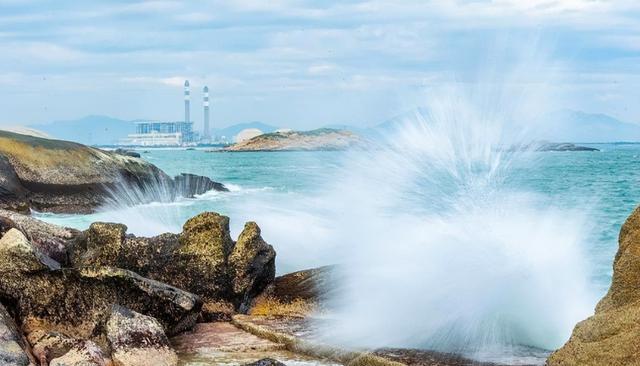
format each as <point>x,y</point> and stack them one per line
<point>301,64</point>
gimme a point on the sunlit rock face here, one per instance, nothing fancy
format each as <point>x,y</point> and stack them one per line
<point>203,259</point>
<point>67,177</point>
<point>44,294</point>
<point>611,335</point>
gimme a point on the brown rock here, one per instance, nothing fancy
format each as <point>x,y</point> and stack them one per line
<point>138,340</point>
<point>612,335</point>
<point>252,263</point>
<point>266,362</point>
<point>76,300</point>
<point>203,259</point>
<point>12,346</point>
<point>50,345</point>
<point>84,353</point>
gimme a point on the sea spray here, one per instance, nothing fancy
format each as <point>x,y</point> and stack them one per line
<point>437,247</point>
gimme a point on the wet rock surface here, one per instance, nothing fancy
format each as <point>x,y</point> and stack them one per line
<point>203,259</point>
<point>12,346</point>
<point>266,362</point>
<point>189,185</point>
<point>611,336</point>
<point>137,340</point>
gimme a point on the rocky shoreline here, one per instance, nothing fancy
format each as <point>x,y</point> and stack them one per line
<point>103,297</point>
<point>324,139</point>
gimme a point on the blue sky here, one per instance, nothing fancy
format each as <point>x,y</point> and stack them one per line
<point>302,64</point>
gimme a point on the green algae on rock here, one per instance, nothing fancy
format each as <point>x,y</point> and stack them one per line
<point>203,259</point>
<point>78,299</point>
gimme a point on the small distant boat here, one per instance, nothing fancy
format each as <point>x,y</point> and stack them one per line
<point>191,148</point>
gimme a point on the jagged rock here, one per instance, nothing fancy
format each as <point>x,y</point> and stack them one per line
<point>189,185</point>
<point>137,340</point>
<point>298,294</point>
<point>50,345</point>
<point>83,353</point>
<point>252,262</point>
<point>77,299</point>
<point>12,195</point>
<point>203,259</point>
<point>266,362</point>
<point>12,346</point>
<point>612,335</point>
<point>52,240</point>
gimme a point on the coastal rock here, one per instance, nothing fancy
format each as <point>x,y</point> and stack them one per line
<point>320,139</point>
<point>189,185</point>
<point>297,294</point>
<point>610,337</point>
<point>12,195</point>
<point>75,300</point>
<point>83,353</point>
<point>52,240</point>
<point>12,345</point>
<point>50,345</point>
<point>203,259</point>
<point>67,177</point>
<point>266,362</point>
<point>252,262</point>
<point>137,340</point>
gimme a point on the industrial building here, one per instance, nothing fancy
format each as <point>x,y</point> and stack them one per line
<point>155,133</point>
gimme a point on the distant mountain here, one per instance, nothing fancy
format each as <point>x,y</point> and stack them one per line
<point>89,130</point>
<point>576,126</point>
<point>231,131</point>
<point>558,126</point>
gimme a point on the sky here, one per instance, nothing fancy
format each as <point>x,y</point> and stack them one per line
<point>302,64</point>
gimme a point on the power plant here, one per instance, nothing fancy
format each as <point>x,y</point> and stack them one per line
<point>206,133</point>
<point>180,133</point>
<point>187,102</point>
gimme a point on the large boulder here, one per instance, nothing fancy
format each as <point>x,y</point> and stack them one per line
<point>77,300</point>
<point>252,264</point>
<point>62,176</point>
<point>203,259</point>
<point>189,185</point>
<point>83,353</point>
<point>52,240</point>
<point>612,335</point>
<point>137,340</point>
<point>12,346</point>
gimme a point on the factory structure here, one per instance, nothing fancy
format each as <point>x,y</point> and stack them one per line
<point>178,133</point>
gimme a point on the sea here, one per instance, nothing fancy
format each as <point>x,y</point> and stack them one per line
<point>556,234</point>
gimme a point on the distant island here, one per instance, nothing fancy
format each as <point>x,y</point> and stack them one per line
<point>320,139</point>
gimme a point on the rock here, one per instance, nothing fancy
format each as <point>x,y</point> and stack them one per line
<point>297,294</point>
<point>62,176</point>
<point>137,340</point>
<point>320,139</point>
<point>252,262</point>
<point>83,353</point>
<point>266,362</point>
<point>77,299</point>
<point>189,185</point>
<point>552,146</point>
<point>52,240</point>
<point>126,152</point>
<point>203,259</point>
<point>12,346</point>
<point>12,195</point>
<point>610,337</point>
<point>50,345</point>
